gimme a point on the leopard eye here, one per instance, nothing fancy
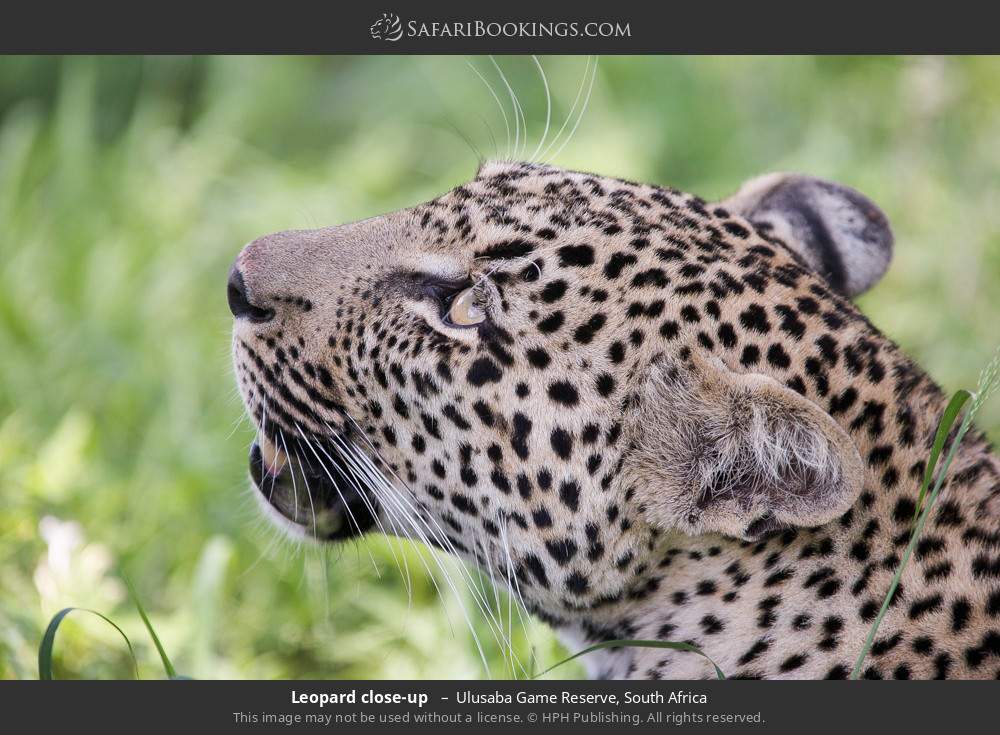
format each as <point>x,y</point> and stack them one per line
<point>463,310</point>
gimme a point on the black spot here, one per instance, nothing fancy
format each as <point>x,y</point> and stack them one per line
<point>536,567</point>
<point>838,672</point>
<point>562,551</point>
<point>993,604</point>
<point>538,357</point>
<point>605,384</point>
<point>521,428</point>
<point>735,228</point>
<point>542,518</point>
<point>569,494</point>
<point>506,250</point>
<point>711,625</point>
<point>616,352</point>
<point>690,314</point>
<point>727,335</point>
<point>584,334</point>
<point>562,443</point>
<point>500,481</point>
<point>790,322</point>
<point>652,277</point>
<point>618,261</point>
<point>793,662</point>
<point>551,323</point>
<point>754,318</point>
<point>921,607</point>
<point>828,589</point>
<point>564,392</point>
<point>464,504</point>
<point>960,611</point>
<point>868,611</point>
<point>942,665</point>
<point>762,645</point>
<point>452,414</point>
<point>544,479</point>
<point>751,356</point>
<point>989,646</point>
<point>777,356</point>
<point>576,583</point>
<point>553,291</point>
<point>706,587</point>
<point>904,510</point>
<point>484,413</point>
<point>577,256</point>
<point>669,329</point>
<point>483,371</point>
<point>984,566</point>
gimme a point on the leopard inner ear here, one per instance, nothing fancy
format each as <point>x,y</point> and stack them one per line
<point>738,454</point>
<point>835,230</point>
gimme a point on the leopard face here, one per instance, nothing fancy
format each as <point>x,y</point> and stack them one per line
<point>626,403</point>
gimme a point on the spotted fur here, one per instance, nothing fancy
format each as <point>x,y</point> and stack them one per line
<point>627,327</point>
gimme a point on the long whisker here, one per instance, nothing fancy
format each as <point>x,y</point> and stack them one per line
<point>548,107</point>
<point>277,434</point>
<point>374,513</point>
<point>569,115</point>
<point>510,657</point>
<point>437,532</point>
<point>333,482</point>
<point>444,571</point>
<point>476,152</point>
<point>392,507</point>
<point>583,110</point>
<point>305,480</point>
<point>516,107</point>
<point>493,138</point>
<point>440,536</point>
<point>503,112</point>
<point>513,584</point>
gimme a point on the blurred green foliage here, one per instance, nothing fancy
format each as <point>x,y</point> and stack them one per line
<point>127,185</point>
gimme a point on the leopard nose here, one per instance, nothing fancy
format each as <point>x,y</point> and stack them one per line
<point>239,301</point>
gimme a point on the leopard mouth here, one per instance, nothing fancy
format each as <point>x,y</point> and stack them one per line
<point>310,496</point>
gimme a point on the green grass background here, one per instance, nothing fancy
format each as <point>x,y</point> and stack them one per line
<point>127,185</point>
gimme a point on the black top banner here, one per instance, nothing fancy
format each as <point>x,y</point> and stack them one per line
<point>396,27</point>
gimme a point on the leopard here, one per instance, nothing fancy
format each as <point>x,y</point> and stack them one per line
<point>651,416</point>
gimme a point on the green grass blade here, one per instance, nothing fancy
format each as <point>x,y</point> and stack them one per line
<point>167,666</point>
<point>944,427</point>
<point>626,643</point>
<point>948,419</point>
<point>49,639</point>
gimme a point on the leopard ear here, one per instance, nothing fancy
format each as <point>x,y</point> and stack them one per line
<point>837,231</point>
<point>737,454</point>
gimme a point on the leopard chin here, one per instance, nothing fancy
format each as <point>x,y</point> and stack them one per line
<point>315,498</point>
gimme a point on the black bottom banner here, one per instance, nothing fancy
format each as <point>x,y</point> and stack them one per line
<point>502,706</point>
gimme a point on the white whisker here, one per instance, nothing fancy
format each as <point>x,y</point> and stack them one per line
<point>516,107</point>
<point>339,494</point>
<point>548,108</point>
<point>583,110</point>
<point>569,115</point>
<point>496,98</point>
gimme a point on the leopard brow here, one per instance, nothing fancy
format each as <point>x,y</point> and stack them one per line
<point>506,250</point>
<point>420,283</point>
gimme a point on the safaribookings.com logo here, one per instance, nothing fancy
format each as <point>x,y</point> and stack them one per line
<point>390,28</point>
<point>387,28</point>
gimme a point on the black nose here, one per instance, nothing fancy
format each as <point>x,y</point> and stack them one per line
<point>239,304</point>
